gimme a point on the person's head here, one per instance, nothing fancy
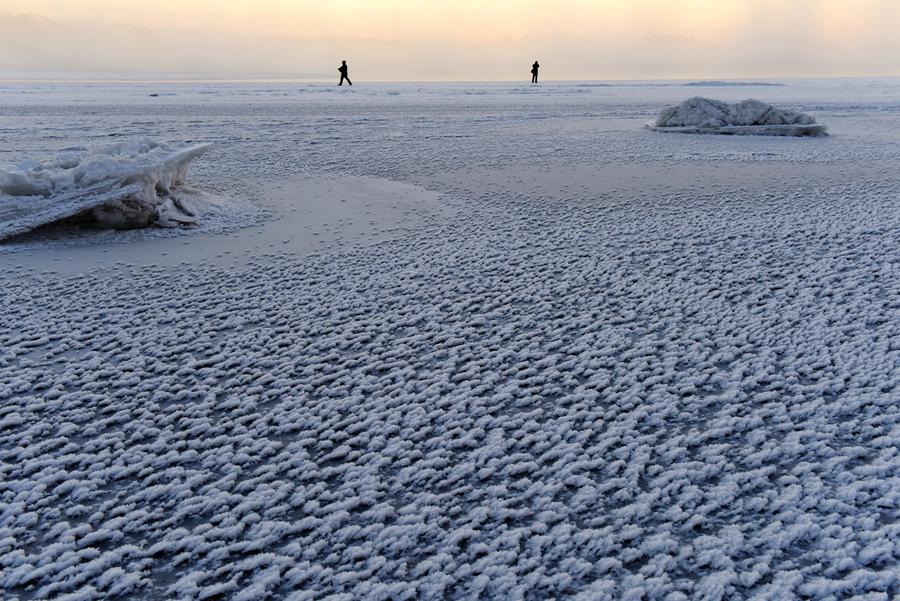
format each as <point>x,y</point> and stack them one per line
<point>343,62</point>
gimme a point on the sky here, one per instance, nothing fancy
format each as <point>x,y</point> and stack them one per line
<point>422,40</point>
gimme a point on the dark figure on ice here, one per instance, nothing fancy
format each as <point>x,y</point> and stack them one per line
<point>534,71</point>
<point>343,70</point>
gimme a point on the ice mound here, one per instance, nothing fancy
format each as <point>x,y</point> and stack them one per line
<point>125,185</point>
<point>704,115</point>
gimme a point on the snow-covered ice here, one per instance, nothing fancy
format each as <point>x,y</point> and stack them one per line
<point>705,115</point>
<point>541,353</point>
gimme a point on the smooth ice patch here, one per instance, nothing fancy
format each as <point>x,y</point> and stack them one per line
<point>305,215</point>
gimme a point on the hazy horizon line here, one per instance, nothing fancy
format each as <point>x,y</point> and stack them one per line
<point>89,77</point>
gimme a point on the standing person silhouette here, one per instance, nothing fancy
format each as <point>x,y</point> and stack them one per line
<point>534,72</point>
<point>343,71</point>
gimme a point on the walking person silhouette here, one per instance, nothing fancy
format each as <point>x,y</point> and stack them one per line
<point>534,72</point>
<point>343,71</point>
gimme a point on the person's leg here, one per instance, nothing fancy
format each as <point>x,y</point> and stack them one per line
<point>340,83</point>
<point>349,82</point>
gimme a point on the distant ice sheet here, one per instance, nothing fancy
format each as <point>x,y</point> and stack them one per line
<point>732,84</point>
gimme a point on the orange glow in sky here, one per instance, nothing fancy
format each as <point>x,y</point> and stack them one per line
<point>459,39</point>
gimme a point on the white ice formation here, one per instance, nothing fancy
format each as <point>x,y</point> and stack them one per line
<point>705,115</point>
<point>125,185</point>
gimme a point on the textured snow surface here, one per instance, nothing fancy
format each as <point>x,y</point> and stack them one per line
<point>604,376</point>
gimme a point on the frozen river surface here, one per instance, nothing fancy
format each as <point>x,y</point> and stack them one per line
<point>480,341</point>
